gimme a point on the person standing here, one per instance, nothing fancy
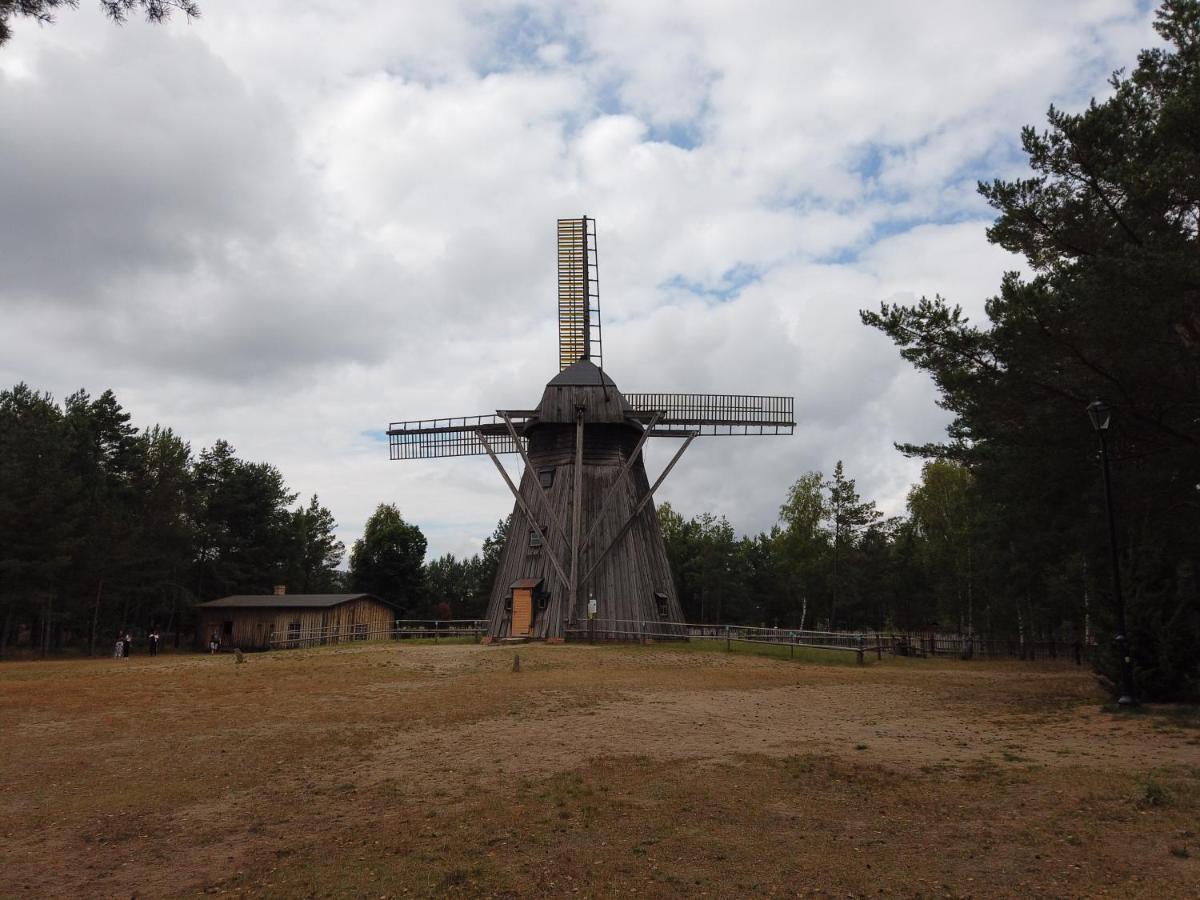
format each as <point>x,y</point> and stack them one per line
<point>213,644</point>
<point>128,643</point>
<point>119,647</point>
<point>153,641</point>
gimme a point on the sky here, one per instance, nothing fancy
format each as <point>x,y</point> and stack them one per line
<point>287,224</point>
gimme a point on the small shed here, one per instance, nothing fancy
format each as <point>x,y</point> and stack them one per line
<point>262,621</point>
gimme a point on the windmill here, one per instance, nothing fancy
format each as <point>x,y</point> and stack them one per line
<point>584,538</point>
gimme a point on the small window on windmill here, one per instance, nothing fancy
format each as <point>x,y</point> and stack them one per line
<point>546,477</point>
<point>535,538</point>
<point>660,600</point>
<point>508,602</point>
<point>542,598</point>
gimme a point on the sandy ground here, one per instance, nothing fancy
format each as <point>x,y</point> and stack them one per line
<point>386,770</point>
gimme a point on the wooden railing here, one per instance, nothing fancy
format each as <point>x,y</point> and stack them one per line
<point>399,630</point>
<point>858,643</point>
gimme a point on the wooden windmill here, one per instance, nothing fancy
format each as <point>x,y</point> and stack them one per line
<point>584,537</point>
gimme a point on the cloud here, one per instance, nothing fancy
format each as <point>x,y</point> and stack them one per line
<point>286,224</point>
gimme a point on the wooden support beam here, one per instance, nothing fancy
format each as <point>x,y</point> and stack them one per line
<point>642,505</point>
<point>525,508</point>
<point>624,473</point>
<point>529,467</point>
<point>577,487</point>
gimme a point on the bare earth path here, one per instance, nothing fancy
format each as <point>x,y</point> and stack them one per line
<point>419,770</point>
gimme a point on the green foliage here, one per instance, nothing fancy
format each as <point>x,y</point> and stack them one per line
<point>38,492</point>
<point>245,523</point>
<point>388,559</point>
<point>313,550</point>
<point>848,517</point>
<point>942,509</point>
<point>42,11</point>
<point>713,570</point>
<point>460,588</point>
<point>103,528</point>
<point>489,563</point>
<point>1109,223</point>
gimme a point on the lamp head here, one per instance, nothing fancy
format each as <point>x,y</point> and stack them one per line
<point>1101,415</point>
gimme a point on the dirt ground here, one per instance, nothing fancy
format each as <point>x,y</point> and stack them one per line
<point>420,770</point>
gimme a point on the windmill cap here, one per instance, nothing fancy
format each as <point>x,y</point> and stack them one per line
<point>583,373</point>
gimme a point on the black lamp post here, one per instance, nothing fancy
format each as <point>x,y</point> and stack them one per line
<point>1101,415</point>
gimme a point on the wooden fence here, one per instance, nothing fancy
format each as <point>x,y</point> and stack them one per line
<point>968,646</point>
<point>860,643</point>
<point>399,630</point>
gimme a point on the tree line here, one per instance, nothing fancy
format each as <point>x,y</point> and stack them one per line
<point>105,528</point>
<point>1109,225</point>
<point>1007,531</point>
<point>834,562</point>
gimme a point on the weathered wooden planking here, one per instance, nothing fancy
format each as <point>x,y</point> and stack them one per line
<point>625,583</point>
<point>252,626</point>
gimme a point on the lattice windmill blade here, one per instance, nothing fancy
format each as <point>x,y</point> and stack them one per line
<point>579,334</point>
<point>715,414</point>
<point>459,436</point>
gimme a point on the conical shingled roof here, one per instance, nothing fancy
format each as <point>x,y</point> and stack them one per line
<point>582,373</point>
<point>582,384</point>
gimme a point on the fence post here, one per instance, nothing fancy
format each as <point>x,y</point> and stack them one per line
<point>862,643</point>
<point>878,646</point>
<point>435,630</point>
<point>727,645</point>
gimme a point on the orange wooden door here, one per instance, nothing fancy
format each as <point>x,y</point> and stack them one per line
<point>522,615</point>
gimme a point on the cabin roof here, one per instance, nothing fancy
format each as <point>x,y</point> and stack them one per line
<point>283,601</point>
<point>525,583</point>
<point>582,373</point>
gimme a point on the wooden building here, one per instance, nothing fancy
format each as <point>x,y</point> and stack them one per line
<point>248,621</point>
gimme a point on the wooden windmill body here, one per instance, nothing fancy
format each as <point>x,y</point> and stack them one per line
<point>584,540</point>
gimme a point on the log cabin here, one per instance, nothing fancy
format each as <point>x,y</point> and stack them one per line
<point>248,621</point>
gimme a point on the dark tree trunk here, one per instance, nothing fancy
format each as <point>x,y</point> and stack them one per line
<point>45,635</point>
<point>7,630</point>
<point>96,616</point>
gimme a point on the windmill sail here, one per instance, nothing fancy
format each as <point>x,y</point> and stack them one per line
<point>578,293</point>
<point>458,436</point>
<point>716,414</point>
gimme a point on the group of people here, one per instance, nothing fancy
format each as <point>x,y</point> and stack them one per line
<point>125,642</point>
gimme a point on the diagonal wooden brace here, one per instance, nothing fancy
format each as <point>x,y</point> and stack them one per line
<point>642,505</point>
<point>529,468</point>
<point>624,473</point>
<point>525,508</point>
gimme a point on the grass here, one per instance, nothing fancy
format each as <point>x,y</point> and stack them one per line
<point>811,655</point>
<point>410,769</point>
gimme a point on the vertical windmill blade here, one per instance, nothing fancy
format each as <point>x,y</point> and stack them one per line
<point>578,292</point>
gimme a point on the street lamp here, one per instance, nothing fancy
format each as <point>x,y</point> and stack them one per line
<point>1101,415</point>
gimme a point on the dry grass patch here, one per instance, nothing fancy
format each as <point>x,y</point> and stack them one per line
<point>391,770</point>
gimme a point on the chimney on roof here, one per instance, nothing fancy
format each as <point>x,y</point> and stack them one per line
<point>280,590</point>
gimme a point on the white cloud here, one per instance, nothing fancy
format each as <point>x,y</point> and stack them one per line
<point>287,223</point>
